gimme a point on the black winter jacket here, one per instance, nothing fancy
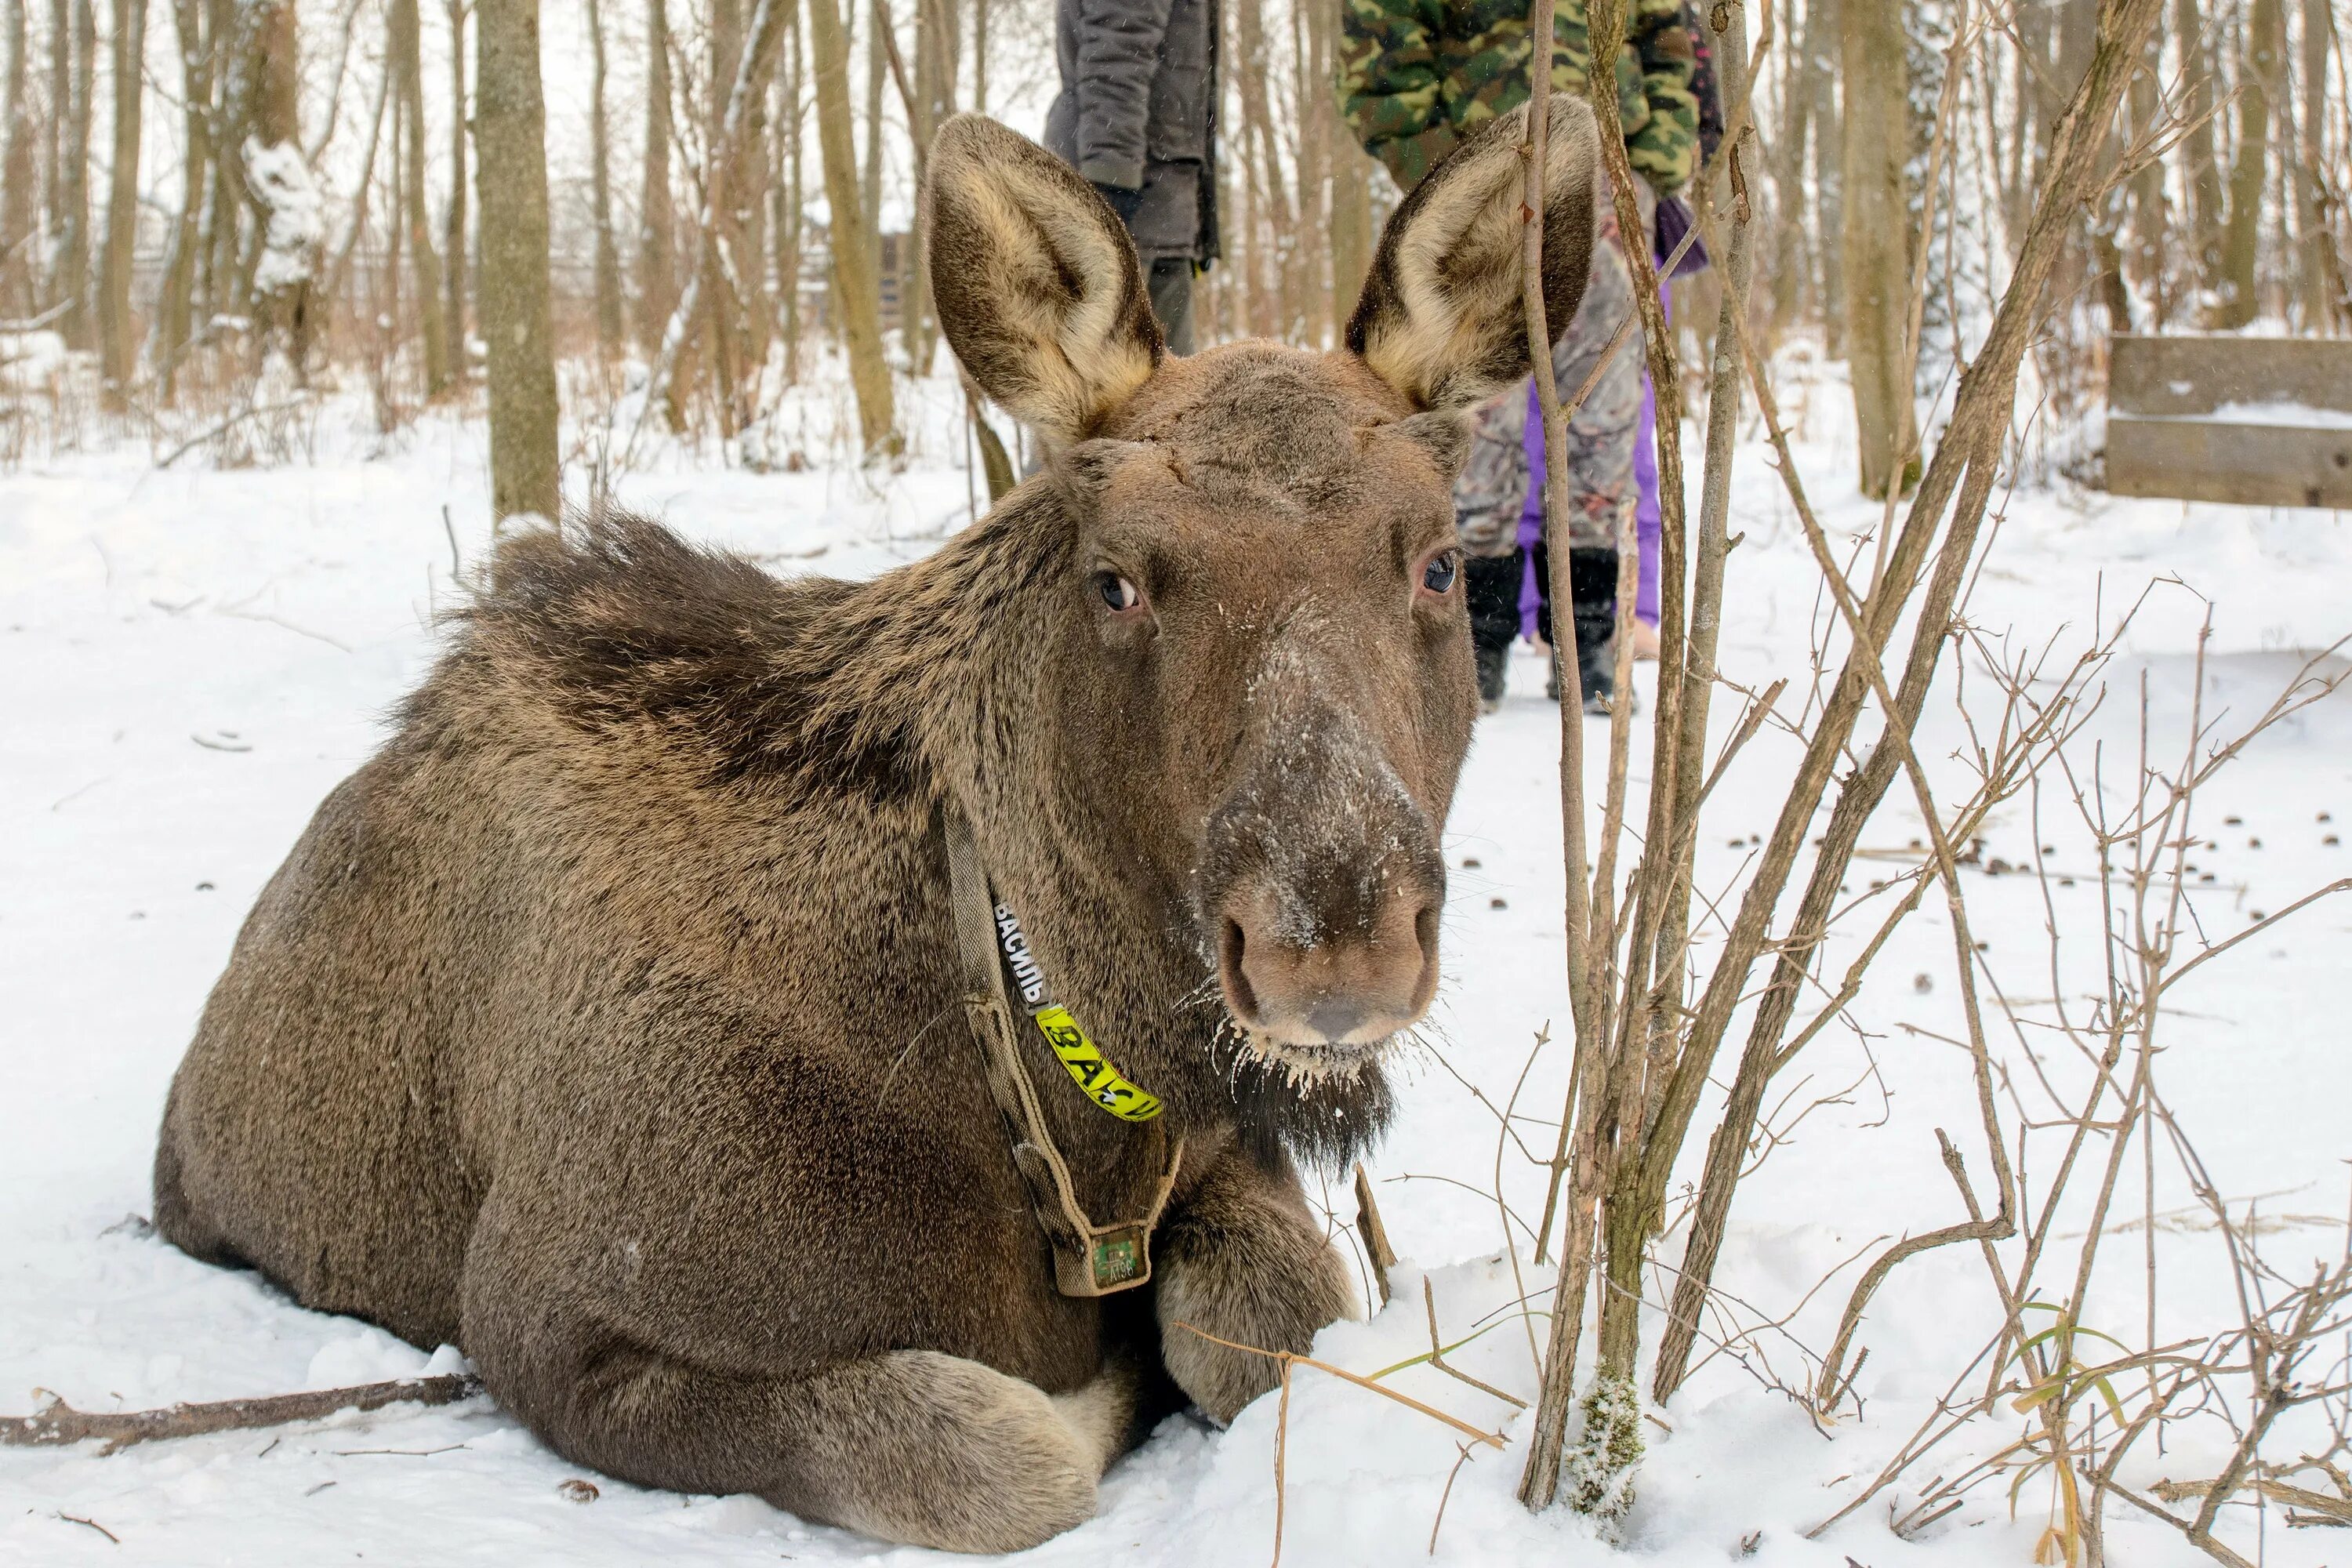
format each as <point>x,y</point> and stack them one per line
<point>1137,115</point>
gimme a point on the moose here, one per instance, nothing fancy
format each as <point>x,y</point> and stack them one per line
<point>615,1021</point>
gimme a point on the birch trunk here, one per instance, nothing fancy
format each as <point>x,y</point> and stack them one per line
<point>511,127</point>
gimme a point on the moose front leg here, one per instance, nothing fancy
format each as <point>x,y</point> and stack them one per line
<point>1242,1259</point>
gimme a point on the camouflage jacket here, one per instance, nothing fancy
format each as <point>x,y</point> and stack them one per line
<point>1418,76</point>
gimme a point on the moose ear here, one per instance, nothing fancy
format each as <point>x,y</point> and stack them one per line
<point>1037,282</point>
<point>1442,318</point>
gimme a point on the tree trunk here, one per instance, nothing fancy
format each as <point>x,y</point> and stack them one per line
<point>1876,225</point>
<point>2144,259</point>
<point>788,237</point>
<point>2204,164</point>
<point>70,214</point>
<point>2328,304</point>
<point>17,174</point>
<point>657,231</point>
<point>510,130</point>
<point>869,185</point>
<point>118,343</point>
<point>453,253</point>
<point>600,152</point>
<point>936,33</point>
<point>405,61</point>
<point>173,320</point>
<point>1827,123</point>
<point>283,268</point>
<point>1801,87</point>
<point>851,241</point>
<point>2263,46</point>
<point>1258,116</point>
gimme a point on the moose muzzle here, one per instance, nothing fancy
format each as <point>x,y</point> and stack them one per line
<point>1322,881</point>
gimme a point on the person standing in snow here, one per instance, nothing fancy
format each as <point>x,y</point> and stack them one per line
<point>1137,116</point>
<point>1418,76</point>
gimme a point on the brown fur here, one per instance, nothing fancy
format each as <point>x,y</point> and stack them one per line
<point>606,1022</point>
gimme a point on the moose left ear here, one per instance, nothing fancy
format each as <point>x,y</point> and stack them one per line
<point>1038,289</point>
<point>1441,316</point>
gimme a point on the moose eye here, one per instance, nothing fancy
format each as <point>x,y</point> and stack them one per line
<point>1118,594</point>
<point>1443,569</point>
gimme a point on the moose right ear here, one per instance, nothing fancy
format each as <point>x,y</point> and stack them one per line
<point>1037,282</point>
<point>1442,318</point>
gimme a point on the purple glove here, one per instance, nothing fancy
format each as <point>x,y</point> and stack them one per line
<point>1674,221</point>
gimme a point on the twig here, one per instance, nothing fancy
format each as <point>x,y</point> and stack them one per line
<point>77,1519</point>
<point>1289,1358</point>
<point>59,1424</point>
<point>225,427</point>
<point>1437,1355</point>
<point>1445,1496</point>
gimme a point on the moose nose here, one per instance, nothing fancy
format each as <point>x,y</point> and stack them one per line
<point>1308,988</point>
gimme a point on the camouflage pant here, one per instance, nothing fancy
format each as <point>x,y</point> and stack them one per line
<point>1492,492</point>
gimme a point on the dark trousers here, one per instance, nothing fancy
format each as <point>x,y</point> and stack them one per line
<point>1171,285</point>
<point>1493,587</point>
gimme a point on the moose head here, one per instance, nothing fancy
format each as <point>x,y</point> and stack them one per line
<point>1259,644</point>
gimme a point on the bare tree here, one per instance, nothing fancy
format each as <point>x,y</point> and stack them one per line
<point>454,258</point>
<point>282,276</point>
<point>118,343</point>
<point>853,251</point>
<point>2206,199</point>
<point>510,130</point>
<point>17,173</point>
<point>1876,221</point>
<point>77,47</point>
<point>405,58</point>
<point>600,153</point>
<point>199,77</point>
<point>657,221</point>
<point>2262,50</point>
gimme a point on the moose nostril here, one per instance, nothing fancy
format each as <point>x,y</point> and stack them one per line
<point>1231,945</point>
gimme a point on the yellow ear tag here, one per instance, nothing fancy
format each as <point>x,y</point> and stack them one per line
<point>1090,1069</point>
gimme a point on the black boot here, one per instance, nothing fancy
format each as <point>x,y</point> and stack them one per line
<point>1493,666</point>
<point>1592,584</point>
<point>1492,584</point>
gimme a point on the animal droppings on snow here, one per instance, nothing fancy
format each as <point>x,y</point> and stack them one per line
<point>1497,904</point>
<point>1922,984</point>
<point>2233,822</point>
<point>1471,864</point>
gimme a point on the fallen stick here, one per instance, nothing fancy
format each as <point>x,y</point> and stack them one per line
<point>57,1424</point>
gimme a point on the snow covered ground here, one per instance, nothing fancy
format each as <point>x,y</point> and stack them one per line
<point>190,659</point>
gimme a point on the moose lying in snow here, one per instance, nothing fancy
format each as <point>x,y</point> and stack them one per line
<point>618,1021</point>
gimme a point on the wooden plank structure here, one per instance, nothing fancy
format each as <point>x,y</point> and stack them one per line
<point>2254,421</point>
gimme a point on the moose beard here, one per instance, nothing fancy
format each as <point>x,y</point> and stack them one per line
<point>1323,1111</point>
